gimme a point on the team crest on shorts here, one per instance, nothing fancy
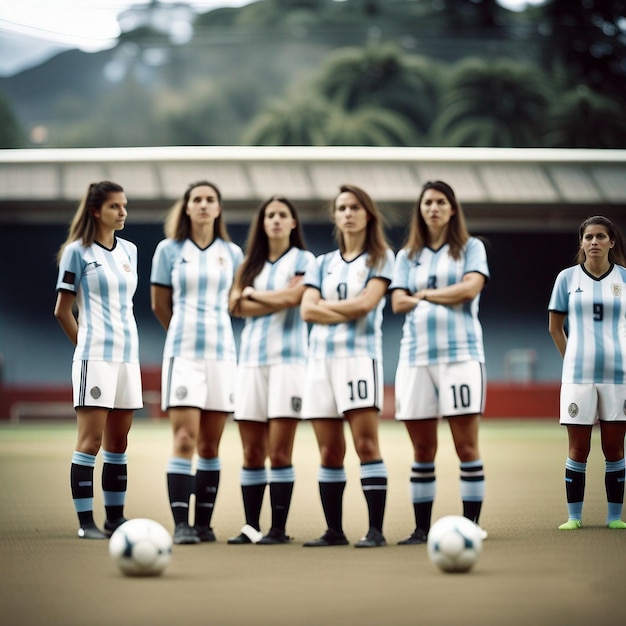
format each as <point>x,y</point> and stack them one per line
<point>95,392</point>
<point>616,289</point>
<point>181,392</point>
<point>572,410</point>
<point>296,403</point>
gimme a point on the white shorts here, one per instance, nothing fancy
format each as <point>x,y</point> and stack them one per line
<point>586,403</point>
<point>335,386</point>
<point>205,385</point>
<point>106,384</point>
<point>270,391</point>
<point>440,390</point>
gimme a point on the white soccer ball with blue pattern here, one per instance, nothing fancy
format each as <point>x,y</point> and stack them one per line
<point>454,543</point>
<point>141,547</point>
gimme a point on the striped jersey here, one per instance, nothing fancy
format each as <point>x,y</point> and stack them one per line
<point>279,337</point>
<point>104,282</point>
<point>596,324</point>
<point>337,279</point>
<point>200,280</point>
<point>434,333</point>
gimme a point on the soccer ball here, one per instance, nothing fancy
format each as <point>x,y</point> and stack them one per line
<point>141,547</point>
<point>454,543</point>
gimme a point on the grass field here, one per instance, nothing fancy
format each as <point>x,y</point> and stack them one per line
<point>528,573</point>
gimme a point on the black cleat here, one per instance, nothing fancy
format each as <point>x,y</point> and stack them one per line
<point>275,537</point>
<point>91,531</point>
<point>331,537</point>
<point>373,539</point>
<point>111,526</point>
<point>185,534</point>
<point>417,537</point>
<point>205,534</point>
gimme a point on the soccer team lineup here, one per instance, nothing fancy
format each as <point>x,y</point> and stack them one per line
<point>311,348</point>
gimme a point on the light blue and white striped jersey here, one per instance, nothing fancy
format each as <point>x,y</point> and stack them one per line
<point>337,279</point>
<point>104,282</point>
<point>596,324</point>
<point>280,337</point>
<point>434,333</point>
<point>200,280</point>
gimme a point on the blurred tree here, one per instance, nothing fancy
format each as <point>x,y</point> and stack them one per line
<point>581,118</point>
<point>382,76</point>
<point>589,37</point>
<point>11,132</point>
<point>301,119</point>
<point>305,118</point>
<point>492,103</point>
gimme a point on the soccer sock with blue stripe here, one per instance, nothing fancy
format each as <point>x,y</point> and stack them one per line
<point>206,485</point>
<point>614,483</point>
<point>472,488</point>
<point>253,483</point>
<point>575,488</point>
<point>374,485</point>
<point>81,483</point>
<point>281,489</point>
<point>423,488</point>
<point>114,483</point>
<point>179,486</point>
<point>332,483</point>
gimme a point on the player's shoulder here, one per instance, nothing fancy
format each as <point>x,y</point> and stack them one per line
<point>126,244</point>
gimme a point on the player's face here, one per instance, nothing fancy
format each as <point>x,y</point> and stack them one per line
<point>112,214</point>
<point>596,242</point>
<point>277,221</point>
<point>436,209</point>
<point>350,215</point>
<point>203,205</point>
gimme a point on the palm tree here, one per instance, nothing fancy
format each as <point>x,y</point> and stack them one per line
<point>582,118</point>
<point>492,103</point>
<point>304,118</point>
<point>297,120</point>
<point>382,76</point>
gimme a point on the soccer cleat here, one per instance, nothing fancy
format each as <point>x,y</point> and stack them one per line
<point>571,524</point>
<point>331,537</point>
<point>373,539</point>
<point>274,537</point>
<point>111,526</point>
<point>483,533</point>
<point>185,534</point>
<point>248,534</point>
<point>91,531</point>
<point>205,535</point>
<point>616,524</point>
<point>417,537</point>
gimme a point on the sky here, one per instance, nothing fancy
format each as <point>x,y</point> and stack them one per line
<point>33,31</point>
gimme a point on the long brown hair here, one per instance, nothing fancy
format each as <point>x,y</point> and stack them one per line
<point>457,233</point>
<point>257,244</point>
<point>376,244</point>
<point>177,223</point>
<point>617,254</point>
<point>84,225</point>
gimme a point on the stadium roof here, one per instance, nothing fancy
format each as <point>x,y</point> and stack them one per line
<point>501,189</point>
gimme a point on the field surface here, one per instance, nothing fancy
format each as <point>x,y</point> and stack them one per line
<point>528,573</point>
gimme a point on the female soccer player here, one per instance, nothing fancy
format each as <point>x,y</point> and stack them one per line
<point>98,274</point>
<point>587,321</point>
<point>272,363</point>
<point>438,277</point>
<point>192,273</point>
<point>344,303</point>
